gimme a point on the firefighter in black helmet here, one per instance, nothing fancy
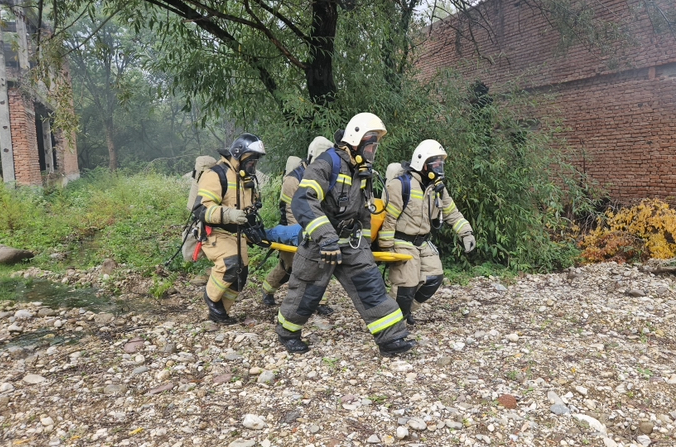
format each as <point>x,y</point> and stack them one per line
<point>224,193</point>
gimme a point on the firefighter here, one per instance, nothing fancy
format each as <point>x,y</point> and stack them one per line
<point>282,271</point>
<point>331,206</point>
<point>226,193</point>
<point>418,202</point>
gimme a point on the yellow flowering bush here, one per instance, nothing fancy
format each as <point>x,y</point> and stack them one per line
<point>637,233</point>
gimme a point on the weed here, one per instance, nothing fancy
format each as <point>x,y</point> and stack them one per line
<point>645,372</point>
<point>330,362</point>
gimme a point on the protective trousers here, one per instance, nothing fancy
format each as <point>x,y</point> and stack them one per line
<point>281,274</point>
<point>226,279</point>
<point>360,278</point>
<point>424,272</point>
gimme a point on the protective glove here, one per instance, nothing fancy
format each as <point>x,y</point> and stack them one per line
<point>468,241</point>
<point>330,252</point>
<point>233,216</point>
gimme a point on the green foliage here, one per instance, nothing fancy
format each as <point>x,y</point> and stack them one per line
<point>162,285</point>
<point>131,219</point>
<point>502,171</point>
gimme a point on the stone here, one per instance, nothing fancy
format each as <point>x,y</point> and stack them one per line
<point>33,379</point>
<point>9,255</point>
<point>559,409</point>
<point>644,440</point>
<point>373,439</point>
<point>104,318</point>
<point>507,401</point>
<point>417,424</point>
<point>134,345</point>
<point>23,314</point>
<point>595,424</point>
<point>646,427</point>
<point>266,377</point>
<point>162,388</point>
<point>253,422</point>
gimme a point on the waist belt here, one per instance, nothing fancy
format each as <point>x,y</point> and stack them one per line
<point>417,240</point>
<point>230,228</point>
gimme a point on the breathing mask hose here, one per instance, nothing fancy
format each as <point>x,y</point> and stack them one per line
<point>185,238</point>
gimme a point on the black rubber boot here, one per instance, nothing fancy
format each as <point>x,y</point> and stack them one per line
<point>429,288</point>
<point>410,320</point>
<point>405,300</point>
<point>325,310</point>
<point>294,345</point>
<point>398,346</point>
<point>269,299</point>
<point>217,312</point>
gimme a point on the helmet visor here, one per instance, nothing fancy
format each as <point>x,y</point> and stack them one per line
<point>369,145</point>
<point>256,147</point>
<point>436,165</point>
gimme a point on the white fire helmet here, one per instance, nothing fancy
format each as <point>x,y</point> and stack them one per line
<point>426,150</point>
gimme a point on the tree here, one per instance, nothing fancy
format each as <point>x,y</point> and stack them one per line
<point>100,63</point>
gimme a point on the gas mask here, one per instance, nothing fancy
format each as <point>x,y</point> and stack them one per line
<point>247,171</point>
<point>366,153</point>
<point>434,172</point>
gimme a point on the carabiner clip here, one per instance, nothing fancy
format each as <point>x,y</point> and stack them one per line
<point>355,238</point>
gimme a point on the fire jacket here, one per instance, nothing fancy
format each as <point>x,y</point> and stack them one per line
<point>211,197</point>
<point>327,214</point>
<point>289,187</point>
<point>414,220</point>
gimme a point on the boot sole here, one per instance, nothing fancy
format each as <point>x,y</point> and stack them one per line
<point>398,351</point>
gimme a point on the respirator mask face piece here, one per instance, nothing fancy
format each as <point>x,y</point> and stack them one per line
<point>247,170</point>
<point>434,170</point>
<point>366,152</point>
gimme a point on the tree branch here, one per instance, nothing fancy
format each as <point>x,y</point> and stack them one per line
<point>273,39</point>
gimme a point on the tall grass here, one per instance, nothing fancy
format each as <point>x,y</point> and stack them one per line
<point>134,220</point>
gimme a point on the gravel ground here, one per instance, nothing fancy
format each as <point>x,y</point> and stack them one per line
<point>582,357</point>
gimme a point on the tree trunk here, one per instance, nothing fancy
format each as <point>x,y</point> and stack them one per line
<point>112,150</point>
<point>319,73</point>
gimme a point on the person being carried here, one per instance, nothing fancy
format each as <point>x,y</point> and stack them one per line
<point>282,271</point>
<point>331,206</point>
<point>418,202</point>
<point>225,192</point>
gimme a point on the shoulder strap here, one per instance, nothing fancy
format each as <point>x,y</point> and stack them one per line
<point>335,165</point>
<point>298,172</point>
<point>405,180</point>
<point>221,169</point>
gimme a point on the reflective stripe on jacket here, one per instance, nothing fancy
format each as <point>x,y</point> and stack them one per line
<point>415,219</point>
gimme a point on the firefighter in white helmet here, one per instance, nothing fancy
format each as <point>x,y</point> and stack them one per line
<point>292,178</point>
<point>331,206</point>
<point>419,201</point>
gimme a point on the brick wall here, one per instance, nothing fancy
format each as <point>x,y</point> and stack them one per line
<point>24,139</point>
<point>620,107</point>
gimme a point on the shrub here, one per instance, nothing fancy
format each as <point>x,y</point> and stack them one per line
<point>646,230</point>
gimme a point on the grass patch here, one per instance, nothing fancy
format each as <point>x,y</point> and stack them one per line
<point>135,220</point>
